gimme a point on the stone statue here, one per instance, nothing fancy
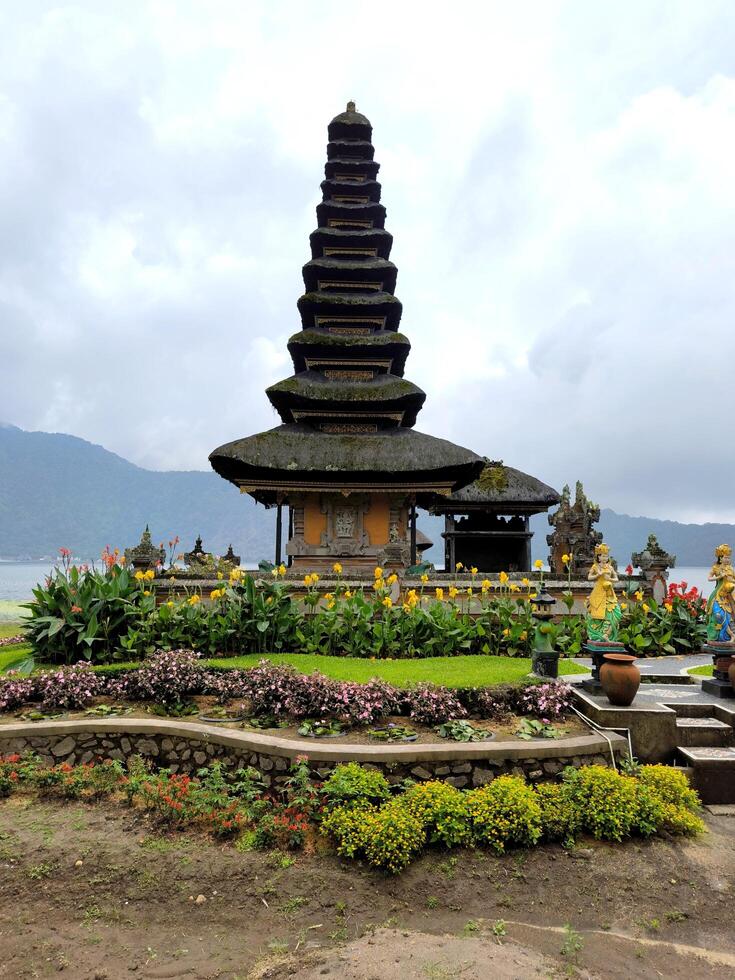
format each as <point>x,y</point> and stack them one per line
<point>145,555</point>
<point>654,563</point>
<point>604,612</point>
<point>721,604</point>
<point>573,533</point>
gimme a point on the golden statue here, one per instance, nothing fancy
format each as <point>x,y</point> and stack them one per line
<point>721,604</point>
<point>603,609</point>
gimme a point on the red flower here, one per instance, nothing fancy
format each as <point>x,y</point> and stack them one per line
<point>76,609</point>
<point>629,570</point>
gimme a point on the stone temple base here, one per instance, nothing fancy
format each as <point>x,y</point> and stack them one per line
<point>723,655</point>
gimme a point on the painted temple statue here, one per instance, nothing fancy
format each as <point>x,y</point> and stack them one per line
<point>346,462</point>
<point>603,609</point>
<point>721,603</point>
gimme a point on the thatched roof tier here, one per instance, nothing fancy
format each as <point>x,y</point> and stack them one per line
<point>350,124</point>
<point>361,274</point>
<point>334,189</point>
<point>316,308</point>
<point>346,149</point>
<point>351,212</point>
<point>298,457</point>
<point>500,489</point>
<point>308,346</point>
<point>326,241</point>
<point>311,390</point>
<point>338,167</point>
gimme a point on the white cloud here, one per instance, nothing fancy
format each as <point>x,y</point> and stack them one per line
<point>558,179</point>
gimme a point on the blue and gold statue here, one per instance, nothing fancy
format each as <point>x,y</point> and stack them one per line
<point>721,604</point>
<point>603,610</point>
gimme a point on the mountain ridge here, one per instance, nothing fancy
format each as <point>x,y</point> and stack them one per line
<point>61,490</point>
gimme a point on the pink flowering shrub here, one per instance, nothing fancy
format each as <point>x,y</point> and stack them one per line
<point>432,705</point>
<point>68,687</point>
<point>167,677</point>
<point>17,690</point>
<point>545,700</point>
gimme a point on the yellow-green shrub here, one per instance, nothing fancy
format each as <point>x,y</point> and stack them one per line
<point>680,802</point>
<point>505,812</point>
<point>607,801</point>
<point>442,810</point>
<point>393,837</point>
<point>349,827</point>
<point>353,784</point>
<point>560,819</point>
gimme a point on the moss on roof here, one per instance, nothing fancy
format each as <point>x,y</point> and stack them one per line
<point>312,385</point>
<point>378,339</point>
<point>348,299</point>
<point>499,484</point>
<point>294,448</point>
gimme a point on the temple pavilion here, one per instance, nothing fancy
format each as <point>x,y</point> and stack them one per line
<point>346,461</point>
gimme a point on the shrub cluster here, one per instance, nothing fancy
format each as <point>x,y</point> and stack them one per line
<point>357,809</point>
<point>507,812</point>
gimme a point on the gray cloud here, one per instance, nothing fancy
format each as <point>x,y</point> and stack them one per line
<point>558,180</point>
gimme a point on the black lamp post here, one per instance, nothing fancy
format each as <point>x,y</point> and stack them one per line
<point>545,659</point>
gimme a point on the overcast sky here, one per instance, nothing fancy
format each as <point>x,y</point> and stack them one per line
<point>559,179</point>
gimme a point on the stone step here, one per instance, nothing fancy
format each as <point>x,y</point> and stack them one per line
<point>703,732</point>
<point>713,772</point>
<point>651,678</point>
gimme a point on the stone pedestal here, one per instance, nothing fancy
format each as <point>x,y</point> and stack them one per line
<point>597,651</point>
<point>723,654</point>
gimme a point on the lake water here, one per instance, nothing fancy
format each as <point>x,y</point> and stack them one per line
<point>17,578</point>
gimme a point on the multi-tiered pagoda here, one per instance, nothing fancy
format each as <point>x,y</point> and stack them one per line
<point>347,461</point>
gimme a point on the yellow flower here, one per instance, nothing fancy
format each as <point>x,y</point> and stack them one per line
<point>328,596</point>
<point>392,578</point>
<point>638,594</point>
<point>469,592</point>
<point>668,606</point>
<point>532,595</point>
<point>387,602</point>
<point>473,570</point>
<point>525,581</point>
<point>150,574</point>
<point>348,594</point>
<point>220,576</point>
<point>503,577</point>
<point>307,581</point>
<point>330,604</point>
<point>623,605</point>
<point>170,604</point>
<point>337,568</point>
<point>538,563</point>
<point>424,578</point>
<point>514,587</point>
<point>453,592</point>
<point>139,576</point>
<point>506,632</point>
<point>274,572</point>
<point>378,584</point>
<point>194,599</point>
<point>646,607</point>
<point>459,566</point>
<point>439,594</point>
<point>378,573</point>
<point>486,584</point>
<point>524,635</point>
<point>314,577</point>
<point>235,575</point>
<point>269,600</point>
<point>146,592</point>
<point>281,569</point>
<point>566,559</point>
<point>214,594</point>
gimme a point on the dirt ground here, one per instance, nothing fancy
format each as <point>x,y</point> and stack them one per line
<point>93,891</point>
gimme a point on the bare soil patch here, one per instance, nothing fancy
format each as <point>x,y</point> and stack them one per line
<point>129,908</point>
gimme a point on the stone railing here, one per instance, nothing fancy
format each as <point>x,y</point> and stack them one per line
<point>186,746</point>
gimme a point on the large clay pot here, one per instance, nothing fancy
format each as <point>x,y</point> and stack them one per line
<point>620,678</point>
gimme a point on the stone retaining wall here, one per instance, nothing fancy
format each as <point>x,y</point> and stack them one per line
<point>185,747</point>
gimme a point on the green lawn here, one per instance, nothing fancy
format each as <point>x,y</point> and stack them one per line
<point>11,612</point>
<point>706,670</point>
<point>474,671</point>
<point>10,628</point>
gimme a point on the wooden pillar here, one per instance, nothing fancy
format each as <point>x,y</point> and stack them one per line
<point>279,532</point>
<point>413,533</point>
<point>449,525</point>
<point>289,560</point>
<point>526,559</point>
